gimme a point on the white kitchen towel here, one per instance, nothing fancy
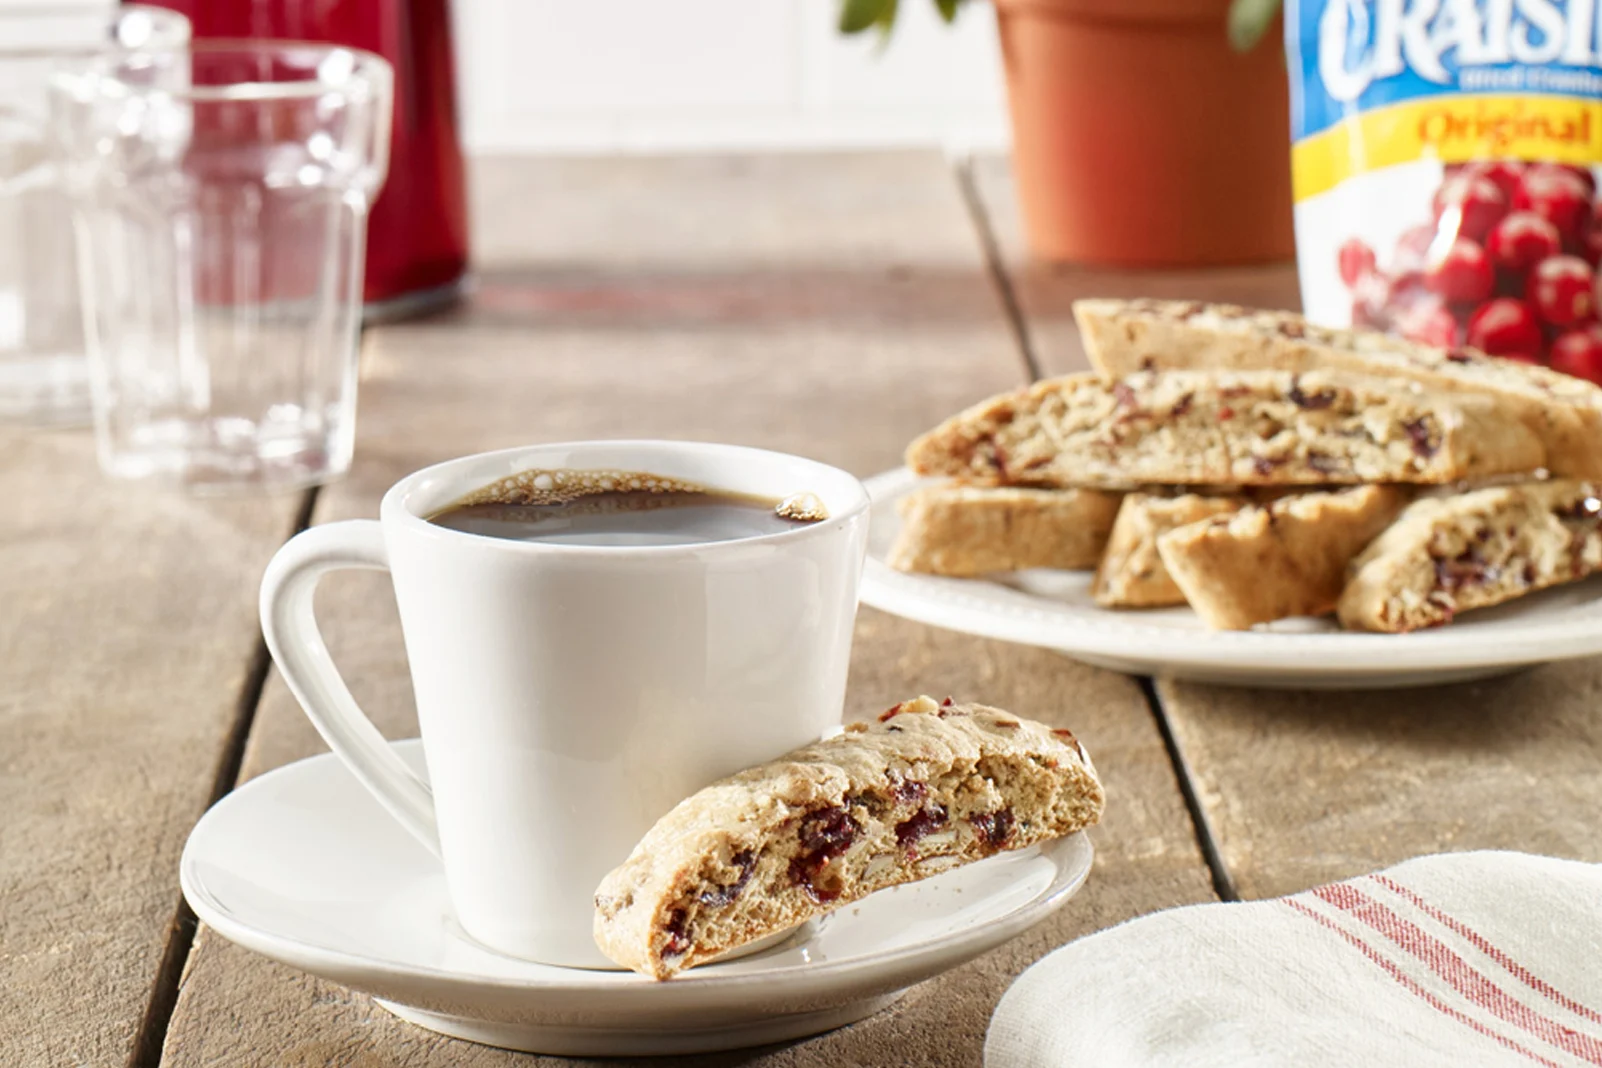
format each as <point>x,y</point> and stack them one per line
<point>1455,960</point>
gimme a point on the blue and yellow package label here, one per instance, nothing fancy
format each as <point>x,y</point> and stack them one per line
<point>1443,159</point>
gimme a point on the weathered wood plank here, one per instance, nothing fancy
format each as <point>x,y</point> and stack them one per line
<point>127,638</point>
<point>1303,788</point>
<point>829,305</point>
<point>1045,292</point>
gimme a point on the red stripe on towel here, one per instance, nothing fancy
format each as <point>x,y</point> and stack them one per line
<point>1458,973</point>
<point>1483,944</point>
<point>1424,995</point>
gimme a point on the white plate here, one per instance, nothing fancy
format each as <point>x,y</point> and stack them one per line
<point>1054,609</point>
<point>303,866</point>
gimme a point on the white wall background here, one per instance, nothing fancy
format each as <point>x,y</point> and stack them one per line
<point>595,76</point>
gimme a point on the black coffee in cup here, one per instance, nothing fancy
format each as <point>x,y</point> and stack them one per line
<point>621,508</point>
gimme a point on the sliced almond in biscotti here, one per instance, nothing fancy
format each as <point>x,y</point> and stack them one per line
<point>961,530</point>
<point>1131,573</point>
<point>926,787</point>
<point>1125,336</point>
<point>1272,561</point>
<point>1446,555</point>
<point>1227,428</point>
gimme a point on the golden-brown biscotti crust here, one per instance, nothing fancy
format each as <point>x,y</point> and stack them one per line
<point>952,529</point>
<point>1227,428</point>
<point>925,788</point>
<point>1122,337</point>
<point>1448,555</point>
<point>1131,573</point>
<point>1285,558</point>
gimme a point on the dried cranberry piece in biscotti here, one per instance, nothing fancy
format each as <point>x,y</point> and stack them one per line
<point>994,827</point>
<point>746,863</point>
<point>678,941</point>
<point>1419,432</point>
<point>909,791</point>
<point>920,824</point>
<point>823,836</point>
<point>1318,400</point>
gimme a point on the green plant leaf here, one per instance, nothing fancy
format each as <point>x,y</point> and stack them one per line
<point>887,20</point>
<point>948,9</point>
<point>858,15</point>
<point>1249,21</point>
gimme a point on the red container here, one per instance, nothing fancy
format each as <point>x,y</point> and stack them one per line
<point>417,235</point>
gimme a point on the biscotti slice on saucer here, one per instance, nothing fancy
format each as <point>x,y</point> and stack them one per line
<point>927,787</point>
<point>1125,336</point>
<point>1131,573</point>
<point>1227,428</point>
<point>1447,555</point>
<point>1272,561</point>
<point>954,529</point>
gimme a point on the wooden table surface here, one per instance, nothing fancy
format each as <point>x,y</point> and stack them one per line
<point>833,305</point>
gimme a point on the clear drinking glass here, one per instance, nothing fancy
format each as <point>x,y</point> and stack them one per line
<point>44,377</point>
<point>221,198</point>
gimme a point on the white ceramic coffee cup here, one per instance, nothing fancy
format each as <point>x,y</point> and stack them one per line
<point>570,695</point>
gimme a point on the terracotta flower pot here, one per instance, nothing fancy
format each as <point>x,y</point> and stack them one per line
<point>1140,138</point>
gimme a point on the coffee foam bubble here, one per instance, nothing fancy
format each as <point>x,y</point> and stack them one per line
<point>546,487</point>
<point>803,508</point>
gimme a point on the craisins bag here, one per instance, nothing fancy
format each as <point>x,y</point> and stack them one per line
<point>1445,165</point>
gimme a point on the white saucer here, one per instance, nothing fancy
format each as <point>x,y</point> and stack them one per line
<point>303,866</point>
<point>1054,609</point>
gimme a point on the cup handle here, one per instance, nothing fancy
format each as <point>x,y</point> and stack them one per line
<point>290,627</point>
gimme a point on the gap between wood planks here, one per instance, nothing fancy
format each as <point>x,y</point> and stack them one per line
<point>152,1033</point>
<point>1018,323</point>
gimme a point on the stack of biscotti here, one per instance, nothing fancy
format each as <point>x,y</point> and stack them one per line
<point>1258,457</point>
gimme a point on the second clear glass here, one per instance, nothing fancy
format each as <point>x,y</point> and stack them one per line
<point>220,200</point>
<point>44,375</point>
